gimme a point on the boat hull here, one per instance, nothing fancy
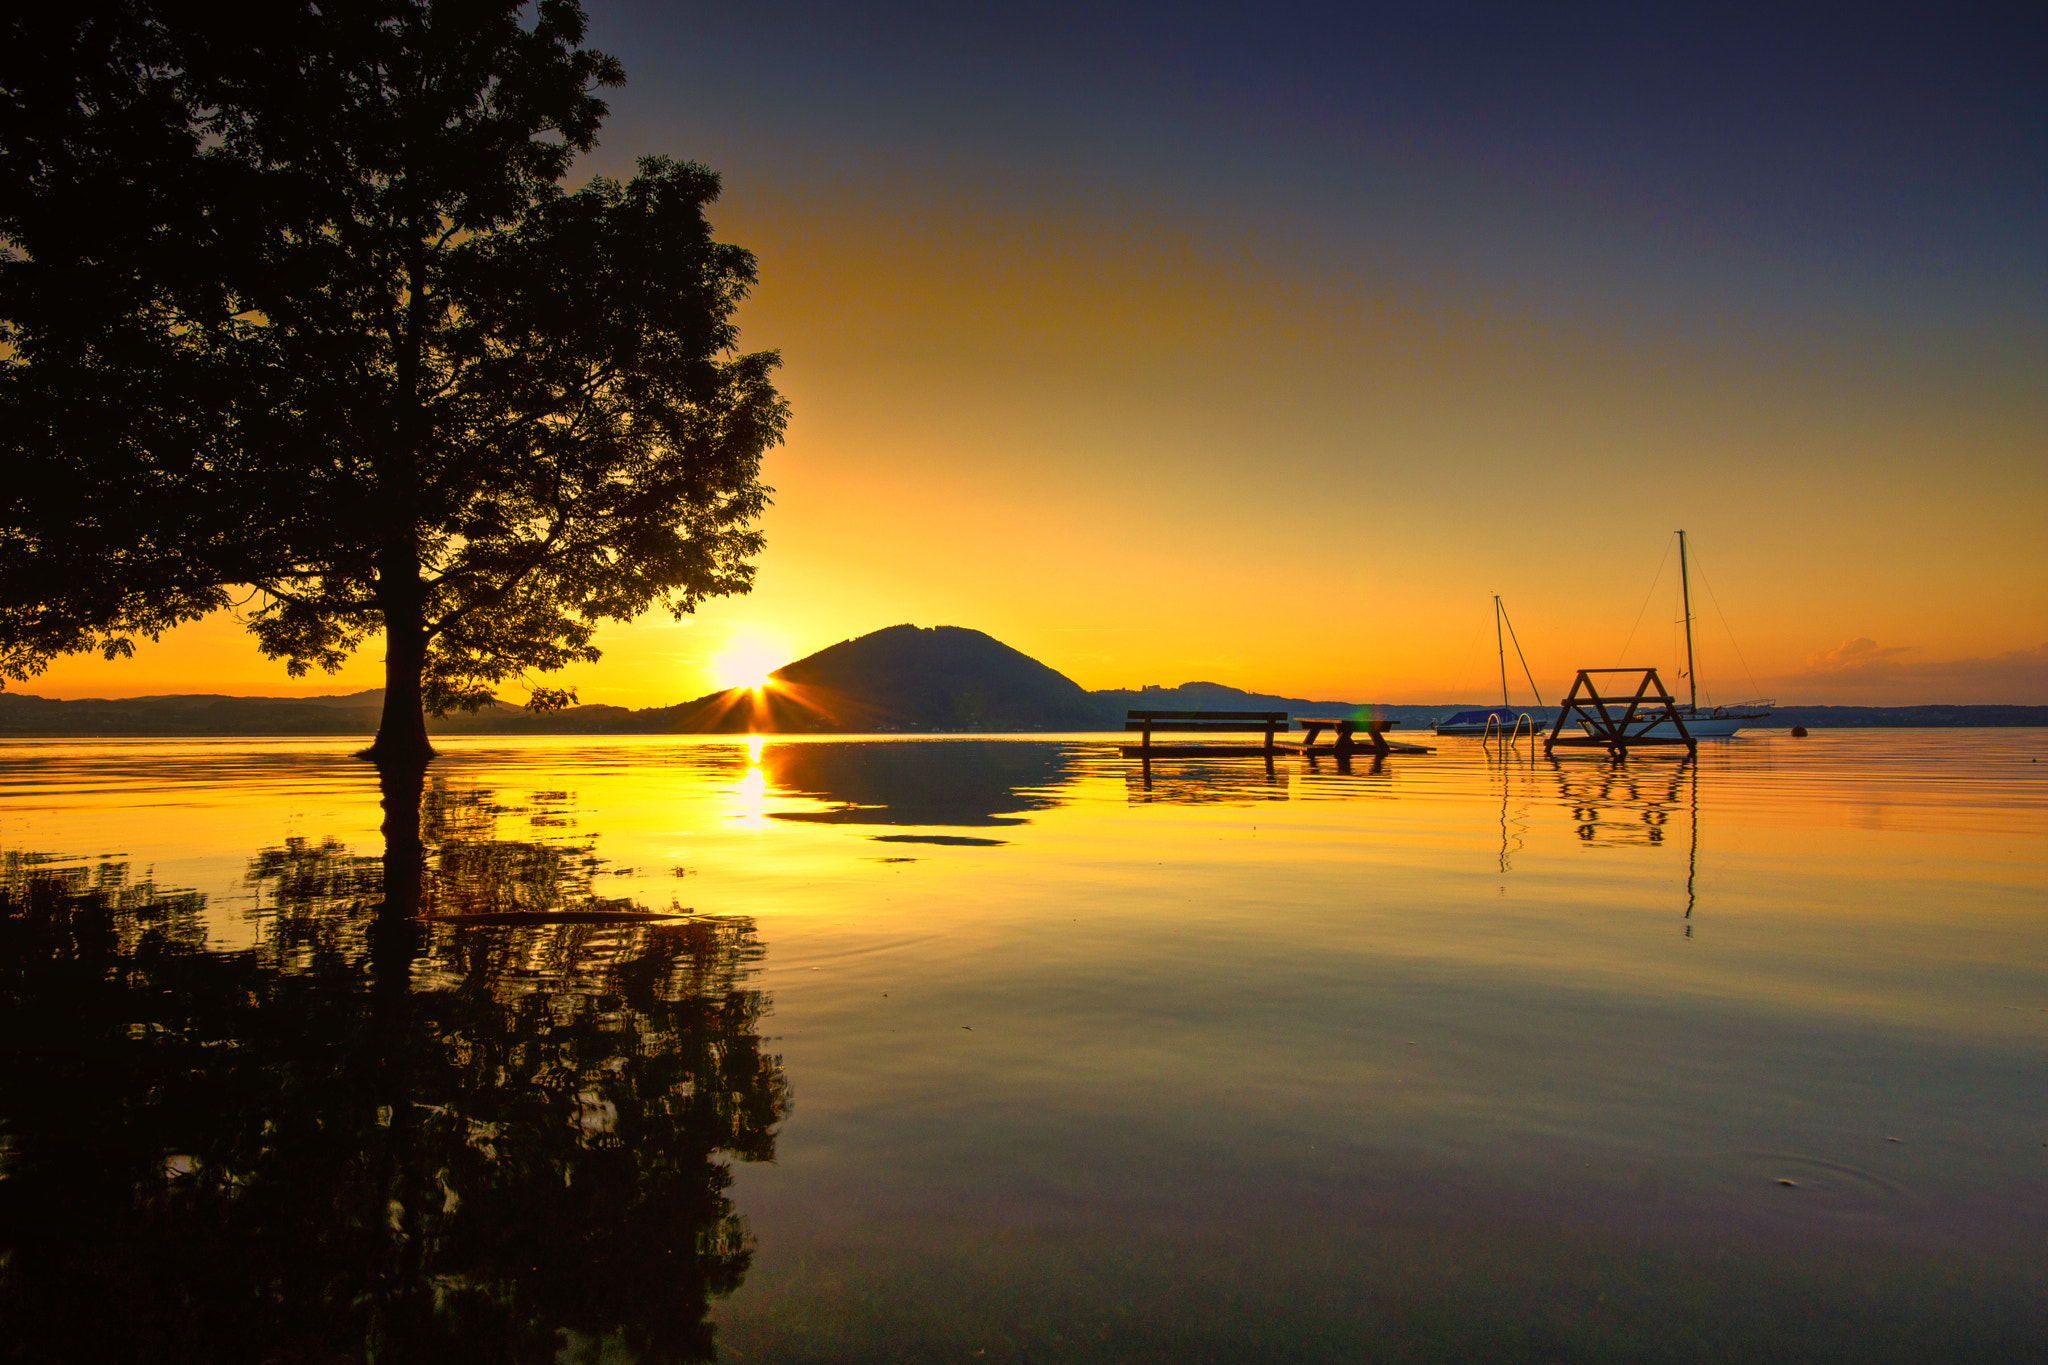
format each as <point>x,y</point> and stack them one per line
<point>1699,727</point>
<point>1476,723</point>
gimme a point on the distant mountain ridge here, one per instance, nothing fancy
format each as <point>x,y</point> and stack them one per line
<point>1210,696</point>
<point>902,678</point>
<point>195,714</point>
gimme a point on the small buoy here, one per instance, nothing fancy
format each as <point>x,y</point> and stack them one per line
<point>1799,732</point>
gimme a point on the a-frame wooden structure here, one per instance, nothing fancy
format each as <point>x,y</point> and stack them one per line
<point>1619,721</point>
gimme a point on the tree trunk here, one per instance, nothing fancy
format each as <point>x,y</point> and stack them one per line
<point>402,729</point>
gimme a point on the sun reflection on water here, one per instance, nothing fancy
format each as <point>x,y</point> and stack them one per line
<point>752,806</point>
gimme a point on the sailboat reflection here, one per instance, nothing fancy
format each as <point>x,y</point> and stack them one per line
<point>373,1135</point>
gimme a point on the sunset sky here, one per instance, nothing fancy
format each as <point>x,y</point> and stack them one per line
<point>1263,344</point>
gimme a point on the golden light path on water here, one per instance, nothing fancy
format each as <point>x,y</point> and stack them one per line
<point>1073,1044</point>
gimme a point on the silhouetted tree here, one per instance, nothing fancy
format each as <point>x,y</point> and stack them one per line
<point>294,307</point>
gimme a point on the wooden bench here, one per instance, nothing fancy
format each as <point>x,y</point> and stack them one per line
<point>1148,723</point>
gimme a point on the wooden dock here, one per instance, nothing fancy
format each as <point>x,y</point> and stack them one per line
<point>1622,720</point>
<point>1351,737</point>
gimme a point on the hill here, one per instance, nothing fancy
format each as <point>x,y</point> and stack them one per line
<point>1209,696</point>
<point>901,678</point>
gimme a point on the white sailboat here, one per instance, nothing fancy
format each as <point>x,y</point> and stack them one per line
<point>1713,722</point>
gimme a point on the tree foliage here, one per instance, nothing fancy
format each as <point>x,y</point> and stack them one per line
<point>297,316</point>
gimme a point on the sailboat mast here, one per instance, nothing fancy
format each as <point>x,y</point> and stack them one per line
<point>1692,683</point>
<point>1500,645</point>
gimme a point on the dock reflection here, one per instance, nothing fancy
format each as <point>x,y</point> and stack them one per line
<point>1198,782</point>
<point>1622,804</point>
<point>373,1135</point>
<point>1346,765</point>
<point>1257,777</point>
<point>1619,802</point>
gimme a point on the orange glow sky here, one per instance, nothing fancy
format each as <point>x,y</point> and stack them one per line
<point>1162,363</point>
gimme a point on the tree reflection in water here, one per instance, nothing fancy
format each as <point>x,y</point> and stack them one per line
<point>372,1135</point>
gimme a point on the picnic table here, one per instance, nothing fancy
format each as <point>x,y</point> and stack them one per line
<point>1376,741</point>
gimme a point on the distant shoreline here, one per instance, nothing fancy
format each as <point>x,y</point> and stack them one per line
<point>355,716</point>
<point>902,679</point>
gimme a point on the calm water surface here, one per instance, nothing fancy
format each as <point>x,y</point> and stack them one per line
<point>993,1049</point>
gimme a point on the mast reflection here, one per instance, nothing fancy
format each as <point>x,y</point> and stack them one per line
<point>1512,764</point>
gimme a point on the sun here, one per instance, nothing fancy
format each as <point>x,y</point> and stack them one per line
<point>747,660</point>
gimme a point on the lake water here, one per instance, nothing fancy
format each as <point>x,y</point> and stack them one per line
<point>1001,1049</point>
